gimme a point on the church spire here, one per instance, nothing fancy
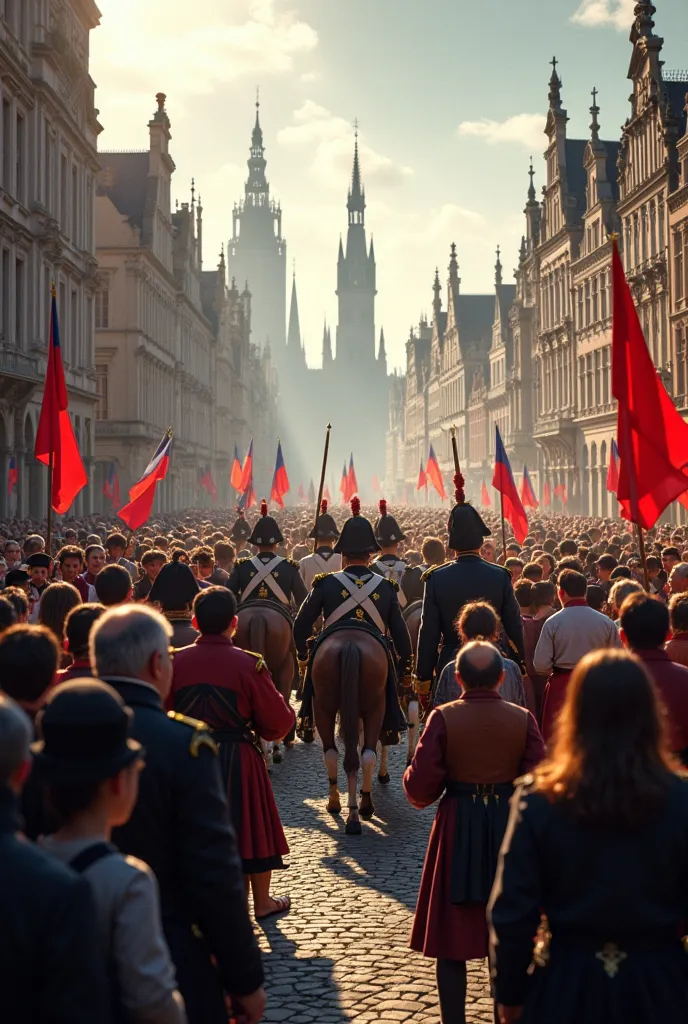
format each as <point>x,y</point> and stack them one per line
<point>532,195</point>
<point>437,296</point>
<point>595,124</point>
<point>644,14</point>
<point>356,203</point>
<point>555,84</point>
<point>294,333</point>
<point>498,269</point>
<point>326,346</point>
<point>257,183</point>
<point>382,351</point>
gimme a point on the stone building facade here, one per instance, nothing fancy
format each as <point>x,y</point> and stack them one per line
<point>48,168</point>
<point>172,339</point>
<point>555,407</point>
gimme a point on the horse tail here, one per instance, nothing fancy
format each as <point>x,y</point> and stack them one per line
<point>257,632</point>
<point>349,673</point>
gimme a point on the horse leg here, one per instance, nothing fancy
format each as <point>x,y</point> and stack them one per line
<point>368,764</point>
<point>334,805</point>
<point>353,823</point>
<point>413,728</point>
<point>383,773</point>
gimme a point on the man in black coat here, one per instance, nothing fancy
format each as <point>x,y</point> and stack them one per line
<point>449,587</point>
<point>180,825</point>
<point>52,967</point>
<point>267,576</point>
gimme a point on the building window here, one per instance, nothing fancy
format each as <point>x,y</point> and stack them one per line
<point>678,266</point>
<point>681,355</point>
<point>63,191</point>
<point>19,303</point>
<point>19,157</point>
<point>102,310</point>
<point>587,303</point>
<point>595,299</point>
<point>102,392</point>
<point>603,295</point>
<point>5,297</point>
<point>6,146</point>
<point>75,206</point>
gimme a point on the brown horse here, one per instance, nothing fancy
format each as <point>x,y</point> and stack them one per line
<point>349,674</point>
<point>265,629</point>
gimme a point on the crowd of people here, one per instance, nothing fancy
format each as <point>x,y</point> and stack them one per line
<point>137,820</point>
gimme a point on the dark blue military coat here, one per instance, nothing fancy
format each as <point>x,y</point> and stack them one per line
<point>285,577</point>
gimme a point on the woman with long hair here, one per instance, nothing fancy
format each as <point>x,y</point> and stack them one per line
<point>596,857</point>
<point>56,603</point>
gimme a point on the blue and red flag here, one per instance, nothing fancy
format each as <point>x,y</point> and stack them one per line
<point>142,494</point>
<point>208,483</point>
<point>434,474</point>
<point>422,478</point>
<point>280,479</point>
<point>503,481</point>
<point>613,471</point>
<point>235,476</point>
<point>111,485</point>
<point>55,441</point>
<point>344,485</point>
<point>12,476</point>
<point>561,492</point>
<point>351,481</point>
<point>247,471</point>
<point>528,499</point>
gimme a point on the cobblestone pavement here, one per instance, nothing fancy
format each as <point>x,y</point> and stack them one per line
<point>342,953</point>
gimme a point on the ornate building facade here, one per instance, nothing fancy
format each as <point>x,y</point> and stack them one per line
<point>554,405</point>
<point>172,339</point>
<point>48,167</point>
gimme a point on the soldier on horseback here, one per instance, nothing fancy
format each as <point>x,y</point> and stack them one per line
<point>323,559</point>
<point>267,576</point>
<point>389,536</point>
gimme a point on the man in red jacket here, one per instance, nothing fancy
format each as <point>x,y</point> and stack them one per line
<point>644,625</point>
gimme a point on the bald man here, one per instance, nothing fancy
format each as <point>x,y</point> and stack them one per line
<point>471,751</point>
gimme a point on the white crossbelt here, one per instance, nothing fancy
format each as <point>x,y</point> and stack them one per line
<point>263,574</point>
<point>360,598</point>
<point>393,572</point>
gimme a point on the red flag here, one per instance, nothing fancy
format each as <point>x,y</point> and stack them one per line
<point>280,479</point>
<point>485,498</point>
<point>351,481</point>
<point>613,470</point>
<point>327,496</point>
<point>560,491</point>
<point>142,494</point>
<point>247,471</point>
<point>235,476</point>
<point>528,499</point>
<point>503,481</point>
<point>422,477</point>
<point>434,474</point>
<point>208,484</point>
<point>546,496</point>
<point>344,485</point>
<point>12,476</point>
<point>55,435</point>
<point>652,436</point>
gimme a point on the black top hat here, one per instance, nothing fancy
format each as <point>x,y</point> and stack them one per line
<point>85,728</point>
<point>325,528</point>
<point>357,535</point>
<point>266,531</point>
<point>241,530</point>
<point>466,528</point>
<point>39,560</point>
<point>175,585</point>
<point>387,530</point>
<point>15,577</point>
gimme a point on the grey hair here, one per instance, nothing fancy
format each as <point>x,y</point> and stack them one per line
<point>680,570</point>
<point>124,640</point>
<point>623,589</point>
<point>15,738</point>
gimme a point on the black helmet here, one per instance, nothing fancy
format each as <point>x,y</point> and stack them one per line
<point>325,528</point>
<point>387,530</point>
<point>357,535</point>
<point>466,528</point>
<point>241,530</point>
<point>266,531</point>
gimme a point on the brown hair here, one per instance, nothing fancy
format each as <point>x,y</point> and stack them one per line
<point>56,603</point>
<point>611,763</point>
<point>678,613</point>
<point>477,621</point>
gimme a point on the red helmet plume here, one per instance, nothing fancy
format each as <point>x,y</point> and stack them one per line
<point>263,507</point>
<point>355,506</point>
<point>459,484</point>
<point>383,507</point>
<point>323,506</point>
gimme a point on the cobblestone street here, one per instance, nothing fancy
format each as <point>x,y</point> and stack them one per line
<point>342,954</point>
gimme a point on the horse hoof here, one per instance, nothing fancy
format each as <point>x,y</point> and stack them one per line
<point>353,828</point>
<point>334,809</point>
<point>277,756</point>
<point>384,779</point>
<point>308,736</point>
<point>366,811</point>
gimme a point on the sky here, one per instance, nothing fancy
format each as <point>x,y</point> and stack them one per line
<point>450,96</point>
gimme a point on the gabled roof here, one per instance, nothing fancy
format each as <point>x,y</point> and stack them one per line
<point>124,179</point>
<point>676,92</point>
<point>475,319</point>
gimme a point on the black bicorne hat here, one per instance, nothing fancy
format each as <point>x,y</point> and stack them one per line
<point>387,530</point>
<point>357,535</point>
<point>266,531</point>
<point>326,528</point>
<point>241,530</point>
<point>39,560</point>
<point>466,528</point>
<point>175,585</point>
<point>86,734</point>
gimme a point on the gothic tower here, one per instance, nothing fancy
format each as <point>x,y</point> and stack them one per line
<point>356,285</point>
<point>257,252</point>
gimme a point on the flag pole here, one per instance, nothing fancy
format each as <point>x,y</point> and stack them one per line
<point>455,450</point>
<point>501,503</point>
<point>643,556</point>
<point>49,517</point>
<point>322,485</point>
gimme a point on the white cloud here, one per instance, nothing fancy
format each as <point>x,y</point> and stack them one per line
<point>596,13</point>
<point>525,129</point>
<point>308,77</point>
<point>330,138</point>
<point>199,50</point>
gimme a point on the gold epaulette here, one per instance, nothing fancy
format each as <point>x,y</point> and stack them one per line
<point>433,568</point>
<point>201,735</point>
<point>293,562</point>
<point>320,577</point>
<point>394,584</point>
<point>260,660</point>
<point>242,561</point>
